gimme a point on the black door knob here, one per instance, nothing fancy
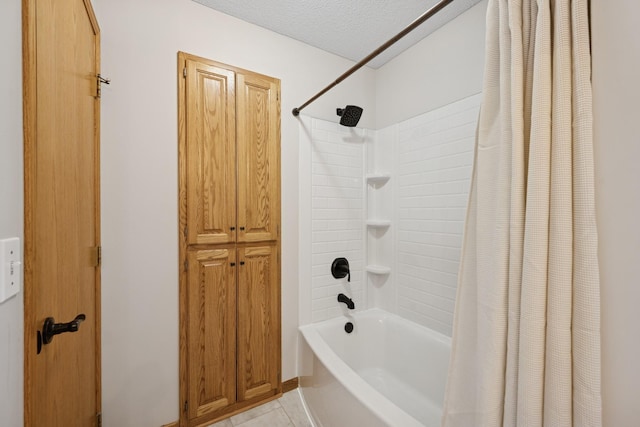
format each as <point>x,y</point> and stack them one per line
<point>51,328</point>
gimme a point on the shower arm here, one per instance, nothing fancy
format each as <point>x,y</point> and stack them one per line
<point>422,18</point>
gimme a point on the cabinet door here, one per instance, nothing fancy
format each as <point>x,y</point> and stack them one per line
<point>211,154</point>
<point>258,120</point>
<point>258,321</point>
<point>211,336</point>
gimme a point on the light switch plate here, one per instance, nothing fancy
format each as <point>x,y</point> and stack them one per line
<point>10,268</point>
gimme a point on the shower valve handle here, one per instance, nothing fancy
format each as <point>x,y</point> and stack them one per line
<point>340,269</point>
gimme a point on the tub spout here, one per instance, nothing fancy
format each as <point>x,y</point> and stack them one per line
<point>345,299</point>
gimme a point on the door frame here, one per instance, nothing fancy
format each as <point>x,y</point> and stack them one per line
<point>29,86</point>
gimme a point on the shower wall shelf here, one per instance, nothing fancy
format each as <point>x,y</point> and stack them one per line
<point>378,269</point>
<point>378,178</point>
<point>378,223</point>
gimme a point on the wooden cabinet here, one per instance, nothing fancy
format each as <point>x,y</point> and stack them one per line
<point>258,321</point>
<point>258,158</point>
<point>229,125</point>
<point>211,332</point>
<point>233,170</point>
<point>210,173</point>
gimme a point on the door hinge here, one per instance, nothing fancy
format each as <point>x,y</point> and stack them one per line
<point>101,80</point>
<point>99,419</point>
<point>185,231</point>
<point>96,256</point>
<point>186,265</point>
<point>186,406</point>
<point>184,72</point>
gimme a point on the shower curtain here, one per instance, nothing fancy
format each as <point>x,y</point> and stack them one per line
<point>526,341</point>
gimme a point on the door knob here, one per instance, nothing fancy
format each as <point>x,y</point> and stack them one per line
<point>51,328</point>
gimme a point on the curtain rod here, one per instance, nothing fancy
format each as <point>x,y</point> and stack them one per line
<point>422,18</point>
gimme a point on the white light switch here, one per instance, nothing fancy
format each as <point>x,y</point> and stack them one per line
<point>10,268</point>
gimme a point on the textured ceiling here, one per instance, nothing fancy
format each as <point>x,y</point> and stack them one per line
<point>348,28</point>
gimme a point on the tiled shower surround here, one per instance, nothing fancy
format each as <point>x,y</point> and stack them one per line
<point>337,214</point>
<point>429,159</point>
<point>432,180</point>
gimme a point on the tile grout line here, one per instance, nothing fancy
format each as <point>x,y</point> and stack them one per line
<point>293,424</point>
<point>289,417</point>
<point>285,410</point>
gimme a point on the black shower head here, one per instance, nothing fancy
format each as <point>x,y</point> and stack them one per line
<point>350,115</point>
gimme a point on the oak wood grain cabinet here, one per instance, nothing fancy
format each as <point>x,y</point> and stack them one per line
<point>229,198</point>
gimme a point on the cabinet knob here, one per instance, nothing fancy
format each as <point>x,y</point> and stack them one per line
<point>232,228</point>
<point>233,264</point>
<point>241,262</point>
<point>241,228</point>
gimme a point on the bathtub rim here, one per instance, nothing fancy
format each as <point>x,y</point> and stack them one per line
<point>376,402</point>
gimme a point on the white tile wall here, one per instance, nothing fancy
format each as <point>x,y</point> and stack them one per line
<point>337,214</point>
<point>430,159</point>
<point>380,155</point>
<point>432,179</point>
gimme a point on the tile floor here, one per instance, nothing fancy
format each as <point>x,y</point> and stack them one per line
<point>288,411</point>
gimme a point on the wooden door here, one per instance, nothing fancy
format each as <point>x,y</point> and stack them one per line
<point>211,330</point>
<point>258,321</point>
<point>258,123</point>
<point>211,333</point>
<point>62,274</point>
<point>211,153</point>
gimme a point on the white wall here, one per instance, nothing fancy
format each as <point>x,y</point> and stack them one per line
<point>442,68</point>
<point>616,90</point>
<point>140,41</point>
<point>11,211</point>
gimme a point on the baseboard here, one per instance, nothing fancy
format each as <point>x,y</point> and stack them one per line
<point>290,384</point>
<point>173,424</point>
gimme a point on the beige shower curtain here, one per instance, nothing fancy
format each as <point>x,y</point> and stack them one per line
<point>526,342</point>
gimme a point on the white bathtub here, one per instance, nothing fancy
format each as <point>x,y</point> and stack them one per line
<point>387,372</point>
